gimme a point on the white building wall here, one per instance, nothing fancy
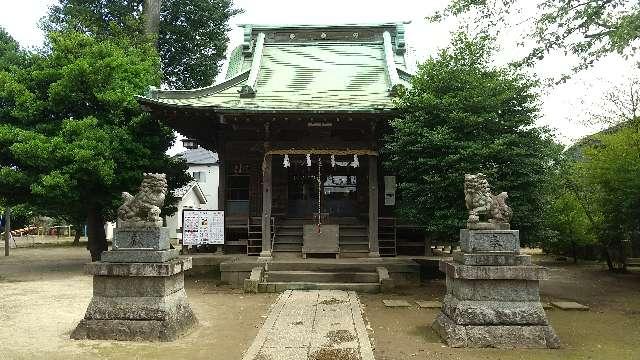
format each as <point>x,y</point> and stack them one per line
<point>210,184</point>
<point>189,201</point>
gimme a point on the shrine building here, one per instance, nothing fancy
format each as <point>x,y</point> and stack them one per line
<point>298,125</point>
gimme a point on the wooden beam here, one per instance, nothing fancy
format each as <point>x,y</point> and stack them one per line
<point>266,207</point>
<point>249,89</point>
<point>394,78</point>
<point>323,152</point>
<point>374,248</point>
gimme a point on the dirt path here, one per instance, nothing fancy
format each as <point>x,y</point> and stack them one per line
<point>43,294</point>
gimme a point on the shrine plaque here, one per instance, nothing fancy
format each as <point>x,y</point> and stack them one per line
<point>489,241</point>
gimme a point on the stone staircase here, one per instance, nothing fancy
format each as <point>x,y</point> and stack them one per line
<point>288,238</point>
<point>300,275</point>
<point>353,241</point>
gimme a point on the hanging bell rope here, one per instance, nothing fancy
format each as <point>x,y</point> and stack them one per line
<point>319,194</point>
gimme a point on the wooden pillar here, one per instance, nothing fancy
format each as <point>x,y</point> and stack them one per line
<point>266,207</point>
<point>222,182</point>
<point>373,207</point>
<point>427,245</point>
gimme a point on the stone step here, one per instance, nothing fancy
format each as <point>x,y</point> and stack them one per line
<point>349,254</point>
<point>326,266</point>
<point>290,255</point>
<point>287,247</point>
<point>282,286</point>
<point>322,277</point>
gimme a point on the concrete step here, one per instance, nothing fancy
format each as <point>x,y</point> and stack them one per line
<point>354,252</point>
<point>287,255</point>
<point>321,277</point>
<point>282,286</point>
<point>354,266</point>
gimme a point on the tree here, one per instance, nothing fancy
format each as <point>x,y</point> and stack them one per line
<point>571,213</point>
<point>192,37</point>
<point>72,136</point>
<point>10,53</point>
<point>463,116</point>
<point>588,29</point>
<point>612,164</point>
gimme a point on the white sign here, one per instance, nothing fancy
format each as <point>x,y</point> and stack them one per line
<point>202,227</point>
<point>389,190</point>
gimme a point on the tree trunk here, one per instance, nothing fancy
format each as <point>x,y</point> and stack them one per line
<point>575,252</point>
<point>76,239</point>
<point>605,252</point>
<point>97,240</point>
<point>7,230</point>
<point>152,17</point>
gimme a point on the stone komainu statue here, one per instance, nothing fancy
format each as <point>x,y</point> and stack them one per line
<point>479,201</point>
<point>143,209</point>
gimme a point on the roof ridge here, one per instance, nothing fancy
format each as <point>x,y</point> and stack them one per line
<point>326,25</point>
<point>155,93</point>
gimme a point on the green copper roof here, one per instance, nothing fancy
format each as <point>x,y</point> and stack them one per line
<point>301,73</point>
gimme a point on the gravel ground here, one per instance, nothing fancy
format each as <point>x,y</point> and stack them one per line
<point>610,330</point>
<point>44,293</point>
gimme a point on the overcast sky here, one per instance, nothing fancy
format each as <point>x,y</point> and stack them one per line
<point>564,107</point>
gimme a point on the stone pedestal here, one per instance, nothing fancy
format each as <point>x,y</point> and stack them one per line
<point>138,291</point>
<point>492,295</point>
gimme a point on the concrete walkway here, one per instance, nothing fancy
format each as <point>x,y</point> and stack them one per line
<point>314,325</point>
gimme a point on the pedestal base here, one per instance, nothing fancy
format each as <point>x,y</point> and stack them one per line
<point>495,336</point>
<point>493,297</point>
<point>137,302</point>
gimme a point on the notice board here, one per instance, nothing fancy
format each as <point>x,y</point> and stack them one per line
<point>202,227</point>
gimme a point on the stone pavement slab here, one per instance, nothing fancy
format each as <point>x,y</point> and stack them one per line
<point>313,325</point>
<point>429,304</point>
<point>569,305</point>
<point>396,303</point>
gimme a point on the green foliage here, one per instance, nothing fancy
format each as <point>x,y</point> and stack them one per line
<point>589,29</point>
<point>571,214</point>
<point>72,136</point>
<point>21,216</point>
<point>192,40</point>
<point>463,116</point>
<point>612,164</point>
<point>10,54</point>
